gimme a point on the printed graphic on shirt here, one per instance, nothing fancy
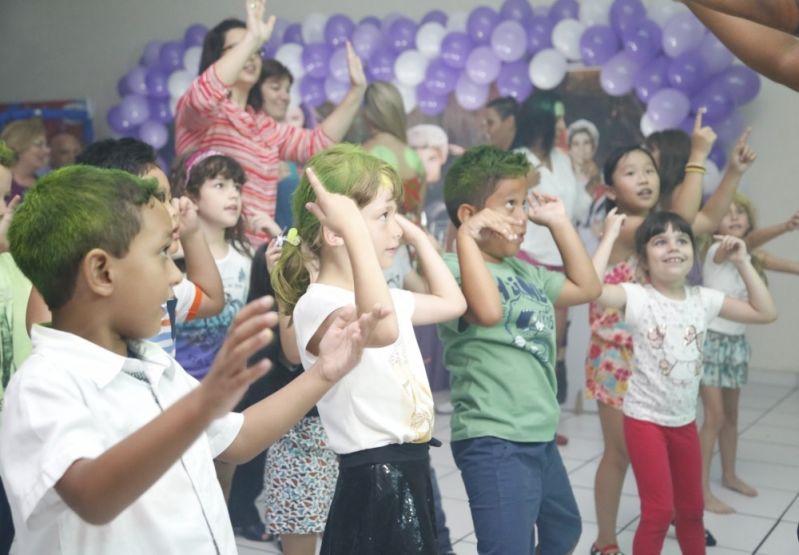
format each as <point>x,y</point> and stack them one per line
<point>529,319</point>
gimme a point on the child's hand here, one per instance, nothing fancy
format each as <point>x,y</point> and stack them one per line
<point>256,25</point>
<point>189,221</point>
<point>793,223</point>
<point>412,234</point>
<point>5,220</point>
<point>545,209</point>
<point>613,224</point>
<point>341,347</point>
<point>488,220</point>
<point>272,254</point>
<point>733,248</point>
<point>702,139</point>
<point>742,154</point>
<point>333,210</point>
<point>229,376</point>
<point>355,66</point>
<point>263,222</point>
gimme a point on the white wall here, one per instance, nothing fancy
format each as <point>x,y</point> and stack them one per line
<point>53,49</point>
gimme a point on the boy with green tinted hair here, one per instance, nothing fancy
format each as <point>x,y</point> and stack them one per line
<point>113,442</point>
<point>501,354</point>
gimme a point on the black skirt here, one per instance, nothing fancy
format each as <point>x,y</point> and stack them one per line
<point>383,504</point>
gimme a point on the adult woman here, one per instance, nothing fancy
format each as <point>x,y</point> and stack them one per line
<point>499,121</point>
<point>583,138</point>
<point>28,139</point>
<point>213,113</point>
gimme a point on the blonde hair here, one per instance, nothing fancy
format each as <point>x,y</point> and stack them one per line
<point>19,135</point>
<point>384,110</point>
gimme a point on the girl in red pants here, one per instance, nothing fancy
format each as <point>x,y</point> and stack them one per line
<point>668,320</point>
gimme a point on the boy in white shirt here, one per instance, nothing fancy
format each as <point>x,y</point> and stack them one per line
<point>106,443</point>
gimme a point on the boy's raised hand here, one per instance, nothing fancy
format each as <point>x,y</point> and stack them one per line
<point>341,346</point>
<point>742,154</point>
<point>229,376</point>
<point>545,209</point>
<point>613,224</point>
<point>732,247</point>
<point>488,220</point>
<point>333,210</point>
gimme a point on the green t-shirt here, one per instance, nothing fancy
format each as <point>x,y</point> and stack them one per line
<point>503,377</point>
<point>16,345</point>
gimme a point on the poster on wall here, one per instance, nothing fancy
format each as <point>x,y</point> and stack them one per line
<point>72,116</point>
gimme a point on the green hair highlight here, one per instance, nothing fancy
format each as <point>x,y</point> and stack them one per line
<point>345,169</point>
<point>474,176</point>
<point>68,213</point>
<point>7,156</point>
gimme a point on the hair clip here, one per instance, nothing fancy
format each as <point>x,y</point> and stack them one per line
<point>292,237</point>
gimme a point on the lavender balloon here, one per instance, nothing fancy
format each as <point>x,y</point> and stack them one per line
<point>509,41</point>
<point>643,41</point>
<point>195,35</point>
<point>154,134</point>
<point>651,78</point>
<point>564,9</point>
<point>718,156</point>
<point>293,34</point>
<point>440,78</point>
<point>170,56</point>
<point>338,29</point>
<point>742,83</point>
<point>682,33</point>
<point>618,74</point>
<point>402,34</point>
<point>149,57</point>
<point>156,80</point>
<point>598,44</point>
<point>371,19</point>
<point>730,128</point>
<point>135,109</point>
<point>366,38</point>
<point>516,10</point>
<point>482,65</point>
<point>626,15</point>
<point>514,80</point>
<point>159,110</point>
<point>136,81</point>
<point>667,108</point>
<point>481,24</point>
<point>687,72</point>
<point>119,123</point>
<point>312,91</point>
<point>715,55</point>
<point>716,101</point>
<point>381,64</point>
<point>315,59</point>
<point>539,34</point>
<point>339,69</point>
<point>469,94</point>
<point>335,89</point>
<point>430,104</point>
<point>455,49</point>
<point>436,16</point>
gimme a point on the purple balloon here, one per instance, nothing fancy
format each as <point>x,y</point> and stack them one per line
<point>371,19</point>
<point>135,109</point>
<point>625,15</point>
<point>366,38</point>
<point>336,90</point>
<point>617,75</point>
<point>269,48</point>
<point>429,103</point>
<point>455,49</point>
<point>715,55</point>
<point>731,128</point>
<point>481,24</point>
<point>136,81</point>
<point>668,107</point>
<point>195,35</point>
<point>339,69</point>
<point>683,32</point>
<point>402,34</point>
<point>563,9</point>
<point>516,10</point>
<point>381,64</point>
<point>482,65</point>
<point>651,78</point>
<point>470,95</point>
<point>687,72</point>
<point>150,56</point>
<point>718,156</point>
<point>315,59</point>
<point>119,123</point>
<point>643,41</point>
<point>156,80</point>
<point>436,16</point>
<point>514,80</point>
<point>539,34</point>
<point>159,109</point>
<point>440,78</point>
<point>598,45</point>
<point>122,86</point>
<point>312,91</point>
<point>170,57</point>
<point>338,29</point>
<point>509,41</point>
<point>742,83</point>
<point>293,34</point>
<point>154,134</point>
<point>717,101</point>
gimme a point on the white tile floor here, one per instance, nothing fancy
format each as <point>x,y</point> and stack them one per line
<point>768,459</point>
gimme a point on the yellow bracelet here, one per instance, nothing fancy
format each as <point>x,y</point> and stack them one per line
<point>695,166</point>
<point>695,170</point>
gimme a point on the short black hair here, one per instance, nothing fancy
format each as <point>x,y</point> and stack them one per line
<point>535,127</point>
<point>127,154</point>
<point>269,68</point>
<point>505,106</point>
<point>214,43</point>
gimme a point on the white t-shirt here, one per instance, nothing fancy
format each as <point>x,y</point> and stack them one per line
<point>386,398</point>
<point>559,182</point>
<point>668,337</point>
<point>726,278</point>
<point>71,400</point>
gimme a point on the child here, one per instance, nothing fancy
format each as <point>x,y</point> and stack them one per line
<point>501,355</point>
<point>112,440</point>
<point>668,320</point>
<point>213,182</point>
<point>726,353</point>
<point>380,419</point>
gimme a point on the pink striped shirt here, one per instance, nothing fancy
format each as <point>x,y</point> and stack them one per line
<point>207,118</point>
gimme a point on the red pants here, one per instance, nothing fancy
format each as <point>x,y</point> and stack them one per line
<point>667,463</point>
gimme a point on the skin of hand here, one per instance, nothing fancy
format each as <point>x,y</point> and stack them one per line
<point>545,209</point>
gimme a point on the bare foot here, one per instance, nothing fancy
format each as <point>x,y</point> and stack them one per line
<point>716,505</point>
<point>736,484</point>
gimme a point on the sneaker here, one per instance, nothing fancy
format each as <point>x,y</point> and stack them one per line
<point>444,408</point>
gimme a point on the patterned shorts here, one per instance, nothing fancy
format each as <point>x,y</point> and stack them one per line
<point>299,480</point>
<point>726,360</point>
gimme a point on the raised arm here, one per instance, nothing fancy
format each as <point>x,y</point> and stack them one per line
<point>761,236</point>
<point>258,32</point>
<point>759,307</point>
<point>778,264</point>
<point>778,14</point>
<point>612,295</point>
<point>687,196</point>
<point>339,121</point>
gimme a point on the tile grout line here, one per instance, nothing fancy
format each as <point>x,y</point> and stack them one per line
<point>777,523</point>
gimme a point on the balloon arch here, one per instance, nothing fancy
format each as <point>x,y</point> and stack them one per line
<point>663,55</point>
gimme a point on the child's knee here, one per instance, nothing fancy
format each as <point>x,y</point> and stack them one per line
<point>658,517</point>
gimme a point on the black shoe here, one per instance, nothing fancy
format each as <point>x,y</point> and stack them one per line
<point>710,541</point>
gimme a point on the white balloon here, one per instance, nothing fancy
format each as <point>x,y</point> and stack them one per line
<point>179,82</point>
<point>712,177</point>
<point>313,27</point>
<point>429,37</point>
<point>547,69</point>
<point>173,105</point>
<point>595,12</point>
<point>408,96</point>
<point>456,21</point>
<point>410,68</point>
<point>647,125</point>
<point>290,55</point>
<point>191,59</point>
<point>660,12</point>
<point>566,38</point>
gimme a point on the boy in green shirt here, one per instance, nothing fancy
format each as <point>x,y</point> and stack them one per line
<point>501,354</point>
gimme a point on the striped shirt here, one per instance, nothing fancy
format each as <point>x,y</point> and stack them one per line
<point>181,308</point>
<point>207,118</point>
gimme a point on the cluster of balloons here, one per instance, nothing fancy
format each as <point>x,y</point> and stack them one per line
<point>150,91</point>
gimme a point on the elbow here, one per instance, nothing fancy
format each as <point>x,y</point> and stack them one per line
<point>485,318</point>
<point>385,335</point>
<point>593,291</point>
<point>91,512</point>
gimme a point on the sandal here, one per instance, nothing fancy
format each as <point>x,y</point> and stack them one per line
<point>610,549</point>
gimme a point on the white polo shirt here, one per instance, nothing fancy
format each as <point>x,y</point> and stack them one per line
<point>71,400</point>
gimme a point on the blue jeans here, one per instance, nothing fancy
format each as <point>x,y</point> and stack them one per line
<point>513,487</point>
